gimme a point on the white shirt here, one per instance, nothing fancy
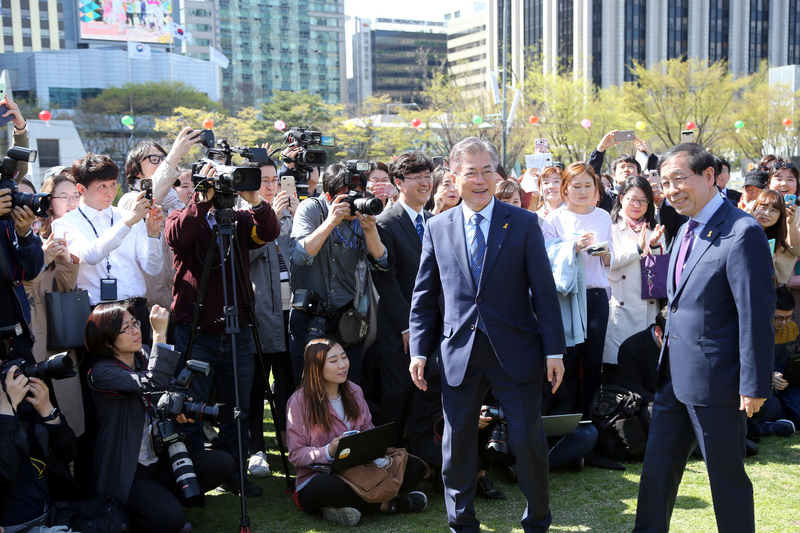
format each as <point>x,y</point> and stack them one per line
<point>485,224</point>
<point>413,214</point>
<point>129,250</point>
<point>568,226</point>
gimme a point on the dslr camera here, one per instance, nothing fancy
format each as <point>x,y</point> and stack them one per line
<point>58,366</point>
<point>170,435</point>
<point>38,203</point>
<point>497,447</point>
<point>228,179</point>
<point>305,137</point>
<point>366,206</point>
<point>312,304</point>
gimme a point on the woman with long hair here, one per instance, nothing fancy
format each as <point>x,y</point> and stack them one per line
<point>770,211</point>
<point>127,383</point>
<point>444,193</point>
<point>325,407</point>
<point>588,228</point>
<point>634,235</point>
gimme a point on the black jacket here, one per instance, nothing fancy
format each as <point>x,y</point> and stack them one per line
<point>638,362</point>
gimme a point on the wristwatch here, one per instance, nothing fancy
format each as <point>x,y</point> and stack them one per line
<point>55,413</point>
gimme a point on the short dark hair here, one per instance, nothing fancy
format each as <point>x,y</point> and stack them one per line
<point>699,158</point>
<point>94,167</point>
<point>409,163</point>
<point>503,174</point>
<point>103,327</point>
<point>722,162</point>
<point>661,318</point>
<point>376,165</point>
<point>785,300</point>
<point>261,164</point>
<point>625,158</point>
<point>334,178</point>
<point>133,162</point>
<point>507,189</point>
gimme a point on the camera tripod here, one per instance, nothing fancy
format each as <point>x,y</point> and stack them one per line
<point>224,234</point>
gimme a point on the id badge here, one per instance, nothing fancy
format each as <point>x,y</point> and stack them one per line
<point>108,289</point>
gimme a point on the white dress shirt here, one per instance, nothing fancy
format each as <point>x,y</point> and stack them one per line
<point>128,251</point>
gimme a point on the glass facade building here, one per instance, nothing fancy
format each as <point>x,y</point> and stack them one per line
<point>719,13</point>
<point>759,33</point>
<point>403,61</point>
<point>635,34</point>
<point>677,29</point>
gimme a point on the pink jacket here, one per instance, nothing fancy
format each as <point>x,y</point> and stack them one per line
<point>306,443</point>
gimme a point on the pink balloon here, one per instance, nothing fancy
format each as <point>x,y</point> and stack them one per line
<point>280,125</point>
<point>45,115</point>
<point>586,123</point>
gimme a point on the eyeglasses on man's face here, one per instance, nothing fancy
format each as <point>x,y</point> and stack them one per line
<point>472,175</point>
<point>674,181</point>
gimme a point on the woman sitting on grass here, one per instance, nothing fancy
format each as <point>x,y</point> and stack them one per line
<point>319,412</point>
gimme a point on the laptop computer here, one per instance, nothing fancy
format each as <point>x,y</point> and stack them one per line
<point>792,371</point>
<point>362,447</point>
<point>560,425</point>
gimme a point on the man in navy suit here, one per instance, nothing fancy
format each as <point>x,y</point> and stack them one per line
<point>401,228</point>
<point>486,262</point>
<point>716,364</point>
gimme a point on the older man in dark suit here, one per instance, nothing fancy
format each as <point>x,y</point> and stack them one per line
<point>487,262</point>
<point>716,365</point>
<point>401,228</point>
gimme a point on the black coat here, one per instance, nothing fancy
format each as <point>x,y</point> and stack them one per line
<point>638,363</point>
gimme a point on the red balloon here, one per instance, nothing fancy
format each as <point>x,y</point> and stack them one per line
<point>45,115</point>
<point>208,124</point>
<point>416,122</point>
<point>787,122</point>
<point>533,119</point>
<point>690,125</point>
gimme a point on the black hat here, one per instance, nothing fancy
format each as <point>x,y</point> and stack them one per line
<point>757,178</point>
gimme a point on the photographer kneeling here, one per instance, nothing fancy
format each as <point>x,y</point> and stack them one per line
<point>126,381</point>
<point>331,245</point>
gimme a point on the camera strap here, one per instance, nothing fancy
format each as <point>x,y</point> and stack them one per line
<point>108,263</point>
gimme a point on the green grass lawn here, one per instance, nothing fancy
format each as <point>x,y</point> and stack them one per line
<point>593,500</point>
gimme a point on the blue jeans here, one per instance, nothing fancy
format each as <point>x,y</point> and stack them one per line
<point>215,349</point>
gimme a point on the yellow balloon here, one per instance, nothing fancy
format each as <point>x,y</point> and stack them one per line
<point>640,125</point>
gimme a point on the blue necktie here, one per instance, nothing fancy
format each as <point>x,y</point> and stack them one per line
<point>477,250</point>
<point>420,227</point>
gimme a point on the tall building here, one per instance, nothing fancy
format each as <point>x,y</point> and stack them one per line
<point>201,18</point>
<point>282,45</point>
<point>33,26</point>
<point>600,40</point>
<point>467,47</point>
<point>395,57</point>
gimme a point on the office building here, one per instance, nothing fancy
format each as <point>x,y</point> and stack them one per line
<point>467,47</point>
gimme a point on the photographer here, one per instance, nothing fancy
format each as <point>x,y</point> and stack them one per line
<point>20,132</point>
<point>330,248</point>
<point>290,168</point>
<point>36,446</point>
<point>124,380</point>
<point>189,233</point>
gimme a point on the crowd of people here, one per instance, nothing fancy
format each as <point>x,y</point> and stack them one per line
<point>470,305</point>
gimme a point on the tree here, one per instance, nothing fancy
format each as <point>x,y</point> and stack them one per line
<point>366,135</point>
<point>150,98</point>
<point>668,95</point>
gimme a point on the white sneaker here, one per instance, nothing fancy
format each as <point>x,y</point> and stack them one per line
<point>347,516</point>
<point>258,465</point>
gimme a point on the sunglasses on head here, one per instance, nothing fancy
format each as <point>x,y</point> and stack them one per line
<point>778,166</point>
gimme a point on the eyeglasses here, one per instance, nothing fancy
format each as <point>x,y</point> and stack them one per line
<point>419,179</point>
<point>782,319</point>
<point>778,166</point>
<point>134,324</point>
<point>472,175</point>
<point>766,209</point>
<point>677,182</point>
<point>155,159</point>
<point>635,201</point>
<point>69,197</point>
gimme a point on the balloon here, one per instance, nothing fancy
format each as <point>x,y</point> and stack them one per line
<point>640,125</point>
<point>477,119</point>
<point>533,119</point>
<point>45,115</point>
<point>690,125</point>
<point>416,122</point>
<point>127,120</point>
<point>279,125</point>
<point>786,122</point>
<point>586,123</point>
<point>738,124</point>
<point>208,124</point>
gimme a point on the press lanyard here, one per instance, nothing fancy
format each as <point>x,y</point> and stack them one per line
<point>108,263</point>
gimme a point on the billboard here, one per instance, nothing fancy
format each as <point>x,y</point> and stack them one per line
<point>143,21</point>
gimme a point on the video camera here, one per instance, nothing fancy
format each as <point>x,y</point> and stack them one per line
<point>355,173</point>
<point>58,366</point>
<point>170,435</point>
<point>305,137</point>
<point>228,179</point>
<point>38,203</point>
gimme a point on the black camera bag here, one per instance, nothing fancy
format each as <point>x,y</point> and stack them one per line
<point>615,414</point>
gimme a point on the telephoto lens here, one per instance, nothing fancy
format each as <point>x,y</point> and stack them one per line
<point>183,470</point>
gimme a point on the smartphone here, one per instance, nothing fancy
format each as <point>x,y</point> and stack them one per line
<point>288,185</point>
<point>624,135</point>
<point>687,136</point>
<point>348,433</point>
<point>437,161</point>
<point>597,248</point>
<point>146,184</point>
<point>541,146</point>
<point>4,107</point>
<point>790,199</point>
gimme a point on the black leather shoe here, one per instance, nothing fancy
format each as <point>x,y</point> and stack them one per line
<point>251,490</point>
<point>488,491</point>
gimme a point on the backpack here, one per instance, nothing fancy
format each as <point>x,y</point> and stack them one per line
<point>615,414</point>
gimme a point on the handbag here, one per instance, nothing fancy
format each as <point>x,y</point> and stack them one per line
<point>353,326</point>
<point>99,515</point>
<point>67,314</point>
<point>655,270</point>
<point>380,480</point>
